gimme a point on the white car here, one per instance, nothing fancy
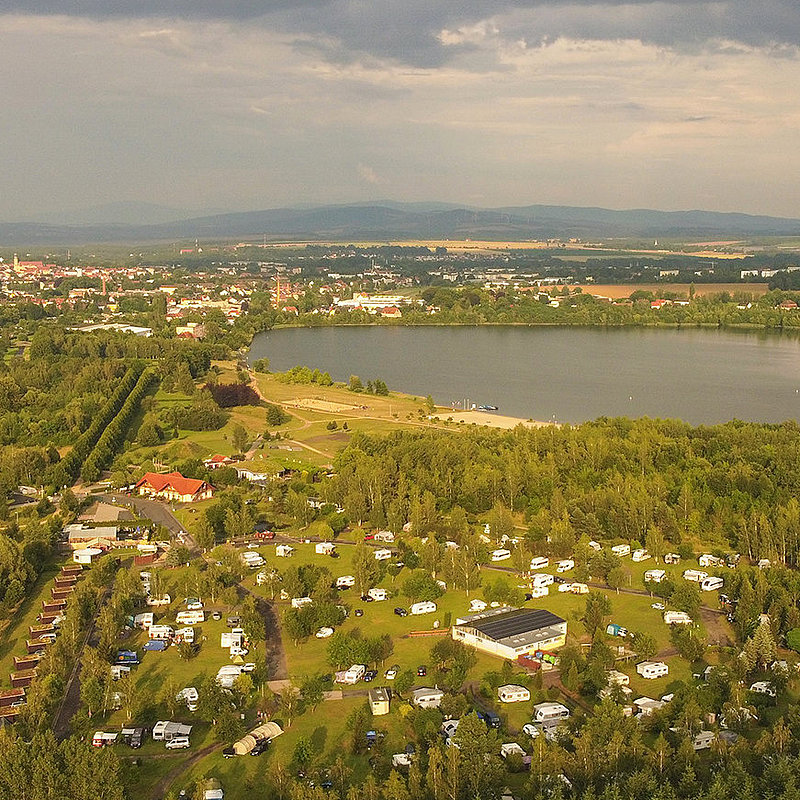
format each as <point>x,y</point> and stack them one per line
<point>657,606</point>
<point>178,743</point>
<point>249,667</point>
<point>324,633</point>
<point>196,606</point>
<point>532,730</point>
<point>390,674</point>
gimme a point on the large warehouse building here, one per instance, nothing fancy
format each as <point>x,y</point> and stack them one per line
<point>511,632</point>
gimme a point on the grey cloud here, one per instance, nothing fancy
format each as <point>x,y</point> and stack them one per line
<point>408,31</point>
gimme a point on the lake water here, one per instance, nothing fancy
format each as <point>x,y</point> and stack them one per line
<point>566,374</point>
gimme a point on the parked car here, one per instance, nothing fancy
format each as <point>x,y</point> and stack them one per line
<point>260,747</point>
<point>422,670</point>
<point>216,615</point>
<point>367,599</point>
<point>249,667</point>
<point>359,612</point>
<point>178,743</point>
<point>401,612</point>
<point>228,752</point>
<point>233,622</point>
<point>370,675</point>
<point>390,674</point>
<point>531,730</point>
<point>657,606</point>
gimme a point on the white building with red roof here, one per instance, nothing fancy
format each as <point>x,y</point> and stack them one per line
<point>174,487</point>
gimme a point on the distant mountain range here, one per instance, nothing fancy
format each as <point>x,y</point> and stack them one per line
<point>389,220</point>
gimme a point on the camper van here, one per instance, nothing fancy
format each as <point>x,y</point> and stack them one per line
<point>190,617</point>
<point>189,696</point>
<point>652,669</point>
<point>694,575</point>
<point>677,618</point>
<point>711,584</point>
<point>549,712</point>
<point>160,632</point>
<point>355,673</point>
<point>425,607</point>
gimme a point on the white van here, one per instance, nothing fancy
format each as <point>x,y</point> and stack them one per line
<point>190,617</point>
<point>711,584</point>
<point>425,607</point>
<point>540,562</point>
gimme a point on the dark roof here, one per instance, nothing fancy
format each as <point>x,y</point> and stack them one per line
<point>516,622</point>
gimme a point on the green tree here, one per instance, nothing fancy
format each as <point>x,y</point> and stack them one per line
<point>597,608</point>
<point>239,438</point>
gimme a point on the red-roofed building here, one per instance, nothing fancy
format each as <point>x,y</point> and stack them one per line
<point>217,461</point>
<point>174,487</point>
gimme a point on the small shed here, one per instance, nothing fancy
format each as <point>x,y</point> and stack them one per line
<point>379,701</point>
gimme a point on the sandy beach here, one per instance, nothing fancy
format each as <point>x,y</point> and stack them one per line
<point>488,418</point>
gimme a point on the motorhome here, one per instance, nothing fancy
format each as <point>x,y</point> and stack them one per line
<point>549,712</point>
<point>190,696</point>
<point>694,575</point>
<point>160,632</point>
<point>355,673</point>
<point>677,618</point>
<point>652,669</point>
<point>190,617</point>
<point>513,693</point>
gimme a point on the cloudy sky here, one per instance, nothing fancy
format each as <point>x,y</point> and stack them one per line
<point>249,104</point>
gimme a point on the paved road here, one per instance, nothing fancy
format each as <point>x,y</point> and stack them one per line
<point>150,509</point>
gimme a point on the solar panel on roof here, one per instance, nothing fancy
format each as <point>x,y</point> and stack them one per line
<point>514,623</point>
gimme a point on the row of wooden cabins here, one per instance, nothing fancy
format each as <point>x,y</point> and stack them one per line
<point>41,634</point>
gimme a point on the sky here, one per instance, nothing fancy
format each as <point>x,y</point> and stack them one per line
<point>255,104</point>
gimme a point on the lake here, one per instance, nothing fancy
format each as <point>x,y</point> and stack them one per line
<point>559,373</point>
